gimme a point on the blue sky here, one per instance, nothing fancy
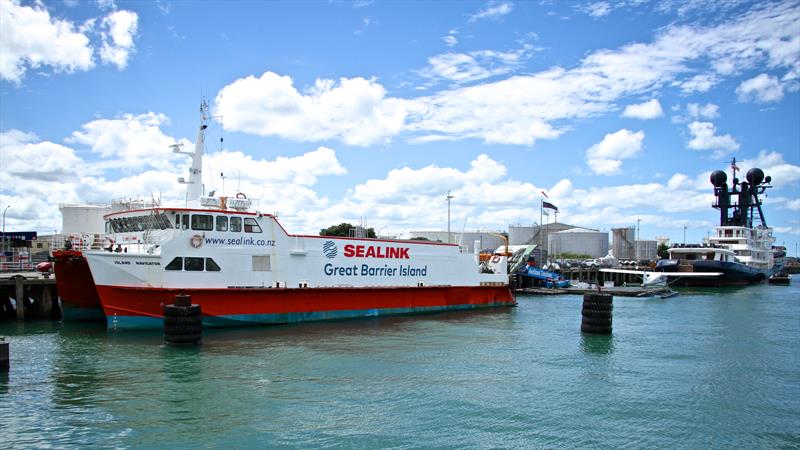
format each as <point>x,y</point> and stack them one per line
<point>347,111</point>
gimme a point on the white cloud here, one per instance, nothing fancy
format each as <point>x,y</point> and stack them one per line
<point>794,204</point>
<point>129,141</point>
<point>761,89</point>
<point>25,157</point>
<point>31,38</point>
<point>774,165</point>
<point>34,172</point>
<point>450,40</point>
<point>522,108</point>
<point>472,66</point>
<point>494,10</point>
<point>118,30</point>
<point>647,110</point>
<point>705,137</point>
<point>598,9</point>
<point>707,111</point>
<point>699,83</point>
<point>301,170</point>
<point>605,157</point>
<point>354,110</point>
<point>677,181</point>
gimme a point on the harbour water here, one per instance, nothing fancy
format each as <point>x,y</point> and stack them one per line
<point>710,368</point>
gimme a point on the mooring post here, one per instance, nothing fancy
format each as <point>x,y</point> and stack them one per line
<point>47,302</point>
<point>596,313</point>
<point>19,296</point>
<point>5,360</point>
<point>183,321</point>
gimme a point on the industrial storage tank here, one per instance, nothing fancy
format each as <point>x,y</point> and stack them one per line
<point>521,235</point>
<point>486,240</point>
<point>79,218</point>
<point>578,241</point>
<point>646,249</point>
<point>622,242</point>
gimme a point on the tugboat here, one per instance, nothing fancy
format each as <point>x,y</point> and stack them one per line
<point>740,251</point>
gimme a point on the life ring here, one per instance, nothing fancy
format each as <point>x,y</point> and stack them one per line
<point>496,259</point>
<point>196,241</point>
<point>240,195</point>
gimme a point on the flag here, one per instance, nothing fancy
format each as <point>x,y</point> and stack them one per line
<point>545,194</point>
<point>549,205</point>
<point>733,165</point>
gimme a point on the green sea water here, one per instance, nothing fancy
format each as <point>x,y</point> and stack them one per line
<point>707,369</point>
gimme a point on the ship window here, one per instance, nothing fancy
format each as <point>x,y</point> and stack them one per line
<point>261,263</point>
<point>211,266</point>
<point>236,224</point>
<point>178,221</point>
<point>222,223</point>
<point>193,264</point>
<point>175,264</point>
<point>185,222</point>
<point>251,226</point>
<point>202,222</point>
<point>165,221</point>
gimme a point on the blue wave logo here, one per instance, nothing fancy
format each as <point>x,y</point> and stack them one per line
<point>329,248</point>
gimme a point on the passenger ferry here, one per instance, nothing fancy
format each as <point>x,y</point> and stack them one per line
<point>243,268</point>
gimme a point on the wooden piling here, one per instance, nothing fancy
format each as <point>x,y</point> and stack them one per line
<point>5,359</point>
<point>19,296</point>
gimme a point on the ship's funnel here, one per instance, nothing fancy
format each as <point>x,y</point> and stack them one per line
<point>755,176</point>
<point>718,178</point>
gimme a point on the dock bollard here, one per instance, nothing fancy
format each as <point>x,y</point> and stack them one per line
<point>5,360</point>
<point>183,321</point>
<point>596,313</point>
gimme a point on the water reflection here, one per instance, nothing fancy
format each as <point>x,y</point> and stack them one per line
<point>3,383</point>
<point>597,344</point>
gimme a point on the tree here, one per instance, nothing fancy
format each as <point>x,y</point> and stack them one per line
<point>662,251</point>
<point>343,229</point>
<point>419,238</point>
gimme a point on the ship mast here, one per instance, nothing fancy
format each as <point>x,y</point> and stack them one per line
<point>746,194</point>
<point>194,188</point>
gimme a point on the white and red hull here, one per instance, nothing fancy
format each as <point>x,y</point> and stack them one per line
<point>270,277</point>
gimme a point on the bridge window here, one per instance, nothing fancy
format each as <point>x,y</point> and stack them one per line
<point>251,226</point>
<point>236,224</point>
<point>202,222</point>
<point>222,223</point>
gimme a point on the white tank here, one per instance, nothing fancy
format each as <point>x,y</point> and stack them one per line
<point>78,218</point>
<point>578,241</point>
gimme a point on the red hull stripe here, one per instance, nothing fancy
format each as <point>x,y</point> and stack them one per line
<point>313,303</point>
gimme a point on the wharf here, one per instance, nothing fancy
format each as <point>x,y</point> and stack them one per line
<point>39,296</point>
<point>620,291</point>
